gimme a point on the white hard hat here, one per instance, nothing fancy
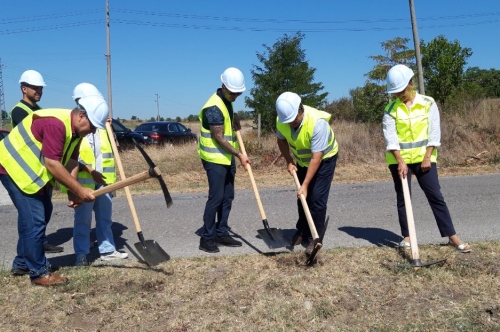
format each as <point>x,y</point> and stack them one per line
<point>97,110</point>
<point>233,79</point>
<point>32,77</point>
<point>85,90</point>
<point>398,78</point>
<point>287,106</point>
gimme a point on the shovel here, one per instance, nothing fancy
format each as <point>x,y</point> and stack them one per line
<point>273,237</point>
<point>149,250</point>
<point>415,257</point>
<point>318,239</point>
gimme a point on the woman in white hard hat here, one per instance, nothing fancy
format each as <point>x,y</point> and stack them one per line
<point>412,135</point>
<point>307,133</point>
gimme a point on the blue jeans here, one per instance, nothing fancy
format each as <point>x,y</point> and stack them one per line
<point>34,212</point>
<point>102,207</point>
<point>317,195</point>
<point>220,199</point>
<point>429,183</point>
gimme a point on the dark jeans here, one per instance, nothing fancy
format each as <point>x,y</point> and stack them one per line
<point>429,183</point>
<point>317,195</point>
<point>34,212</point>
<point>220,199</point>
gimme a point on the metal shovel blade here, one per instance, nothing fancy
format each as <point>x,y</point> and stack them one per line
<point>318,244</point>
<point>151,252</point>
<point>416,263</point>
<point>274,238</point>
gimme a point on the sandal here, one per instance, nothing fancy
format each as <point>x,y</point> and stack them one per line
<point>464,247</point>
<point>404,244</point>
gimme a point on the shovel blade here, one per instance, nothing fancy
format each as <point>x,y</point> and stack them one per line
<point>311,258</point>
<point>151,252</point>
<point>274,238</point>
<point>418,263</point>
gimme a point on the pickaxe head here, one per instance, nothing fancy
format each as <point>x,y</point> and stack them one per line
<point>155,173</point>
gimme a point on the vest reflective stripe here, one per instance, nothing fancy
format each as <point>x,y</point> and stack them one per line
<point>20,152</point>
<point>208,148</point>
<point>209,135</point>
<point>412,126</point>
<point>24,107</point>
<point>301,144</point>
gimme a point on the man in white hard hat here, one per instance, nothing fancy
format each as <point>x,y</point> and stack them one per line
<point>412,134</point>
<point>32,84</point>
<point>217,148</point>
<point>97,169</point>
<point>42,148</point>
<point>306,132</point>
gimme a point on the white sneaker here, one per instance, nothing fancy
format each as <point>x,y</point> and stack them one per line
<point>113,255</point>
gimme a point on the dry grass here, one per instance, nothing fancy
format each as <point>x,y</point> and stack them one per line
<point>355,289</point>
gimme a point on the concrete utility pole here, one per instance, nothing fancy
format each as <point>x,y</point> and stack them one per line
<point>108,60</point>
<point>416,42</point>
<point>2,99</point>
<point>157,106</point>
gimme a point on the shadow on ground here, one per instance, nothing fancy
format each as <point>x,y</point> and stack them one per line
<point>377,236</point>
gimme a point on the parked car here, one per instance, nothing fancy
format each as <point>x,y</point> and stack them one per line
<point>161,132</point>
<point>124,135</point>
<point>3,133</point>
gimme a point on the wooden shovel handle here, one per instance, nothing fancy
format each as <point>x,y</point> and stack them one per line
<point>122,184</point>
<point>250,174</point>
<point>122,176</point>
<point>409,217</point>
<point>309,218</point>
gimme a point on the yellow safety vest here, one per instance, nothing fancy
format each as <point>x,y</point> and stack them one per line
<point>301,144</point>
<point>412,126</point>
<point>208,148</point>
<point>24,107</point>
<point>87,155</point>
<point>21,152</point>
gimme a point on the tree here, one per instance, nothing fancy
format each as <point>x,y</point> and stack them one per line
<point>396,53</point>
<point>369,102</point>
<point>489,80</point>
<point>443,63</point>
<point>284,68</point>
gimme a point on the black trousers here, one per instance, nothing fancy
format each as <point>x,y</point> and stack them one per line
<point>317,195</point>
<point>429,183</point>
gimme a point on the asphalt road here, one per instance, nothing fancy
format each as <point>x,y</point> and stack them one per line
<point>361,214</point>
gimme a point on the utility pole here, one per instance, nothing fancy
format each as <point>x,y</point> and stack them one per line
<point>416,42</point>
<point>2,99</point>
<point>157,107</point>
<point>108,60</point>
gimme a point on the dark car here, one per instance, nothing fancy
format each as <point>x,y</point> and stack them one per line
<point>161,132</point>
<point>3,133</point>
<point>124,135</point>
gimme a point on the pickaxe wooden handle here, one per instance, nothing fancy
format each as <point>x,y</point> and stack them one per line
<point>127,182</point>
<point>309,218</point>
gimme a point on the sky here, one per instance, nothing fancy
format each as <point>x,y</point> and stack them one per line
<point>167,56</point>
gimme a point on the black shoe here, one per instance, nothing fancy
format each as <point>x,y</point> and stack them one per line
<point>208,245</point>
<point>228,241</point>
<point>52,249</point>
<point>19,272</point>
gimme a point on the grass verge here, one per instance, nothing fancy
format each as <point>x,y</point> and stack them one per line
<point>349,289</point>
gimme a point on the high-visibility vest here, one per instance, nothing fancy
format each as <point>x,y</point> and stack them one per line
<point>87,156</point>
<point>21,152</point>
<point>208,148</point>
<point>24,107</point>
<point>412,126</point>
<point>300,144</point>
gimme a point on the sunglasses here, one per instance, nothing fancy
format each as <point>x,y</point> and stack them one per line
<point>34,87</point>
<point>233,94</point>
